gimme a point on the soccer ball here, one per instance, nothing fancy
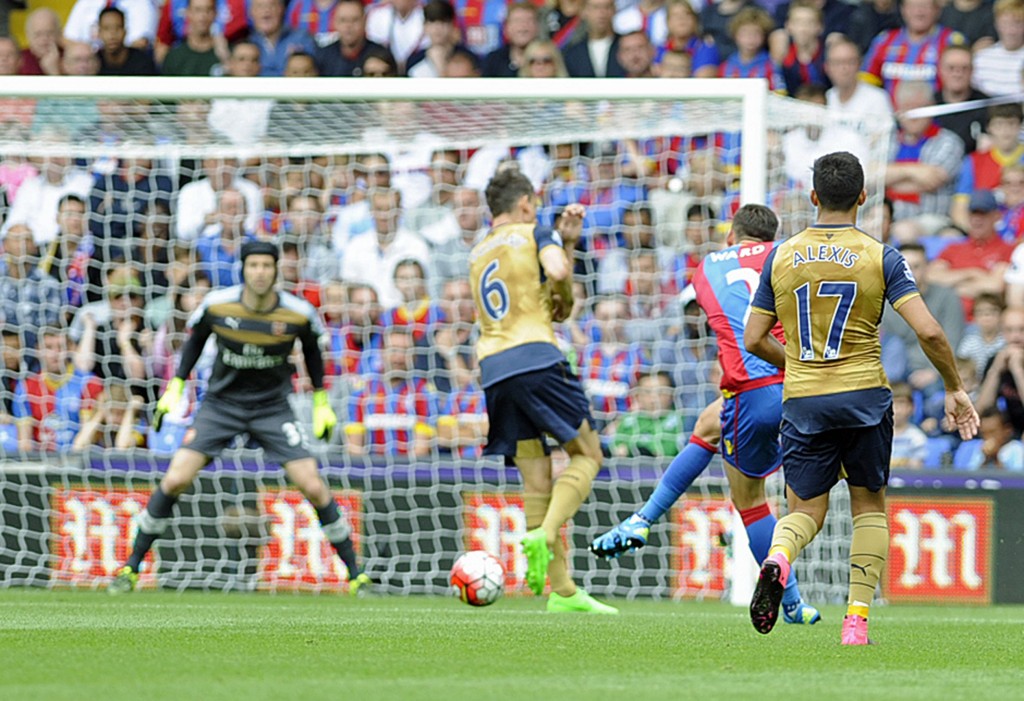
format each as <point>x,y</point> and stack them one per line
<point>477,578</point>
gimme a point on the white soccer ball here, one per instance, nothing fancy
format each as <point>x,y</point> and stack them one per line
<point>477,578</point>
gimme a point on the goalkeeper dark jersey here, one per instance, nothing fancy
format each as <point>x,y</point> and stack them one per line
<point>252,365</point>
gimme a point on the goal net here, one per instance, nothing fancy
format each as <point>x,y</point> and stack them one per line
<point>124,201</point>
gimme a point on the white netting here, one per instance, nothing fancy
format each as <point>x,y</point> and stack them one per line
<point>170,182</point>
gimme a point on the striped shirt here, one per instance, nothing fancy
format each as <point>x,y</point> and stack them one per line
<point>997,71</point>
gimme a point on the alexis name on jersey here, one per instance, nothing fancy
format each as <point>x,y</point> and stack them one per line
<point>825,254</point>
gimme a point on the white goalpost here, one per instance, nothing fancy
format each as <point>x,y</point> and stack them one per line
<point>674,147</point>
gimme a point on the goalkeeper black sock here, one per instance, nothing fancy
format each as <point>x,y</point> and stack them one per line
<point>338,532</point>
<point>152,523</point>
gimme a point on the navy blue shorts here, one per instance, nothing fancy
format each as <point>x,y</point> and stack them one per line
<point>526,407</point>
<point>814,462</point>
<point>750,430</point>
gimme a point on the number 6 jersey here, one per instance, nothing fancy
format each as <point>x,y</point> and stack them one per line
<point>828,285</point>
<point>513,303</point>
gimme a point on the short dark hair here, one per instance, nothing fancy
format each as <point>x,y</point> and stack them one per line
<point>702,210</point>
<point>71,197</point>
<point>915,247</point>
<point>990,298</point>
<point>407,262</point>
<point>658,373</point>
<point>439,11</point>
<point>505,189</point>
<point>381,54</point>
<point>642,211</point>
<point>111,11</point>
<point>1010,111</point>
<point>755,221</point>
<point>994,410</point>
<point>838,181</point>
<point>901,390</point>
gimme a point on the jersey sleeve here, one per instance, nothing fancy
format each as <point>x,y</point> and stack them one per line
<point>764,298</point>
<point>20,408</point>
<point>546,236</point>
<point>965,186</point>
<point>871,71</point>
<point>899,280</point>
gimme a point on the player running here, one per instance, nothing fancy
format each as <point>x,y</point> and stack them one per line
<point>828,286</point>
<point>750,407</point>
<point>255,327</point>
<point>521,277</point>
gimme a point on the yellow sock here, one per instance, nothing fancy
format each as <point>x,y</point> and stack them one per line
<point>868,551</point>
<point>536,508</point>
<point>857,608</point>
<point>570,491</point>
<point>792,534</point>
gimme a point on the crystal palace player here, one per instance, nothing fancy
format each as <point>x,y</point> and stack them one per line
<point>828,286</point>
<point>255,327</point>
<point>529,388</point>
<point>750,408</point>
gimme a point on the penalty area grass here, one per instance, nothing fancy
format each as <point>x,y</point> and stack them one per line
<point>156,646</point>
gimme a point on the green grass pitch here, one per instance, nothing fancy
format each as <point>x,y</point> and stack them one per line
<point>152,646</point>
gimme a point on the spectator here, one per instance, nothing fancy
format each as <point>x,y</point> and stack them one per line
<point>70,259</point>
<point>303,224</point>
<point>222,240</point>
<point>942,301</point>
<point>138,17</point>
<point>241,122</point>
<point>972,18</point>
<point>445,354</point>
<point>638,234</point>
<point>995,449</point>
<point>38,198</point>
<point>648,16</point>
<point>201,52</point>
<point>120,201</point>
<point>955,71</point>
<point>542,59</point>
<point>910,53</point>
<point>116,423</point>
<point>353,218</point>
<point>158,262</point>
<point>1011,187</point>
<point>562,21</point>
<point>597,55</point>
<point>197,201</point>
<point>394,413</point>
<point>51,404</point>
<point>1004,376</point>
<point>462,63</point>
<point>276,41</point>
<point>870,19</point>
<point>442,39</point>
<point>674,64</point>
<point>924,160</point>
<point>314,17</point>
<point>836,15</point>
<point>654,428</point>
<point>230,24</point>
<point>636,54</point>
<point>982,170</point>
<point>115,57</point>
<point>798,49</point>
<point>978,264</point>
<point>356,345</point>
<point>610,365</point>
<point>749,30</point>
<point>398,26</point>
<point>909,443</point>
<point>10,57</point>
<point>848,94</point>
<point>684,36</point>
<point>451,257</point>
<point>463,424</point>
<point>716,19</point>
<point>11,370</point>
<point>521,29</point>
<point>983,339</point>
<point>434,219</point>
<point>43,55</point>
<point>301,65</point>
<point>997,68</point>
<point>346,56</point>
<point>29,297</point>
<point>379,63</point>
<point>416,311</point>
<point>373,259</point>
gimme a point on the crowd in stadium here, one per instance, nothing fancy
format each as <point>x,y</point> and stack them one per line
<point>103,260</point>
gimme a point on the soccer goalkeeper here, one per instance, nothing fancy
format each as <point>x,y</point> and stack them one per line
<point>255,327</point>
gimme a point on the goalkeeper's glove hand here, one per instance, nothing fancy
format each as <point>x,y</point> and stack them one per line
<point>324,419</point>
<point>168,402</point>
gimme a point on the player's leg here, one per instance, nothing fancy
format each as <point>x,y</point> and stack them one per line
<point>866,461</point>
<point>813,464</point>
<point>535,471</point>
<point>682,471</point>
<point>153,520</point>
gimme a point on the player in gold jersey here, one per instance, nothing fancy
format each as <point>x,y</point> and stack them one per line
<point>828,286</point>
<point>521,275</point>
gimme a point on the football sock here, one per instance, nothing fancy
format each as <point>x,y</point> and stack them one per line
<point>682,471</point>
<point>338,532</point>
<point>536,508</point>
<point>792,533</point>
<point>153,522</point>
<point>759,523</point>
<point>570,491</point>
<point>868,551</point>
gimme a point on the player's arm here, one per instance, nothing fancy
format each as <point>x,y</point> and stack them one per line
<point>557,261</point>
<point>324,418</point>
<point>757,336</point>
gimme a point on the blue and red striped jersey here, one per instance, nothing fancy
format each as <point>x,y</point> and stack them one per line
<point>893,57</point>
<point>795,73</point>
<point>349,356</point>
<point>466,404</point>
<point>609,373</point>
<point>392,414</point>
<point>418,318</point>
<point>725,283</point>
<point>481,23</point>
<point>307,16</point>
<point>761,66</point>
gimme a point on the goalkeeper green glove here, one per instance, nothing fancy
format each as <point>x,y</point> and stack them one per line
<point>324,419</point>
<point>168,402</point>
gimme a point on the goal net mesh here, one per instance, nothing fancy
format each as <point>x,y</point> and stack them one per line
<point>165,190</point>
